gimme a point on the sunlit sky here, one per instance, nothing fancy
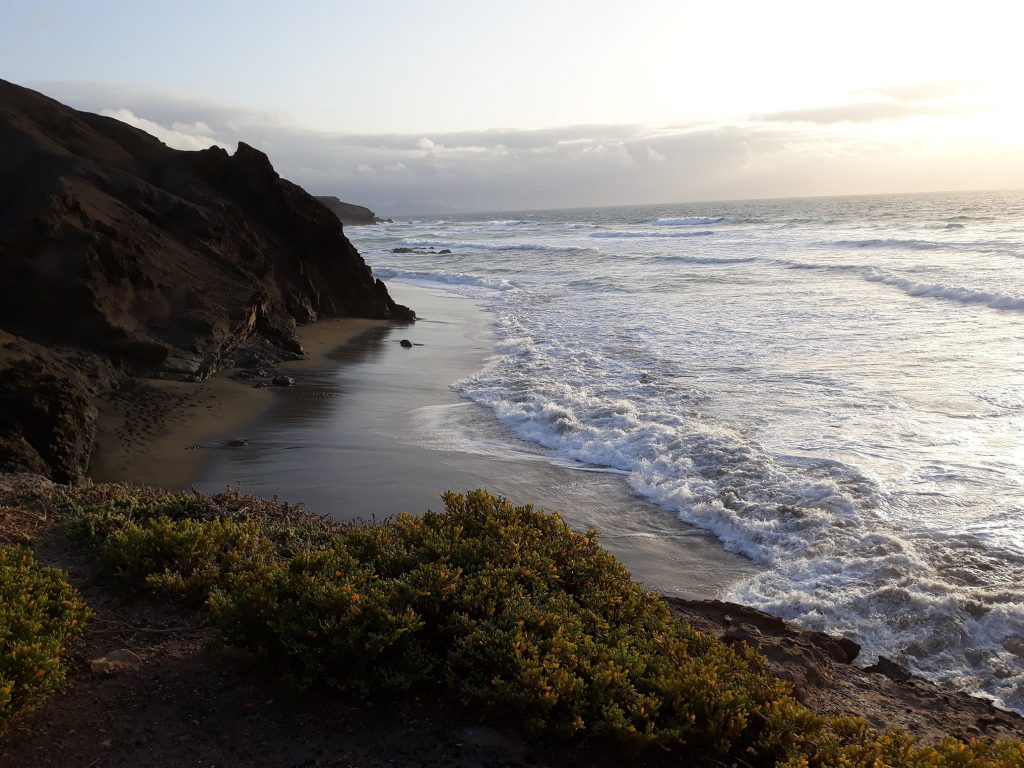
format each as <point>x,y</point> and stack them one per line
<point>468,105</point>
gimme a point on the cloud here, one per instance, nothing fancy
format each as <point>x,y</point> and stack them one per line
<point>865,112</point>
<point>188,136</point>
<point>915,92</point>
<point>897,102</point>
<point>797,152</point>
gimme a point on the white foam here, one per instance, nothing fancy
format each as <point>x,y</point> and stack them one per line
<point>916,288</point>
<point>949,292</point>
<point>445,278</point>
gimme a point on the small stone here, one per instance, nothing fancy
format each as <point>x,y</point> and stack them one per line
<point>406,343</point>
<point>282,381</point>
<point>116,661</point>
<point>237,443</point>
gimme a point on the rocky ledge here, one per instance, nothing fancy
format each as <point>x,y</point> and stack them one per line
<point>826,680</point>
<point>121,257</point>
<point>350,213</point>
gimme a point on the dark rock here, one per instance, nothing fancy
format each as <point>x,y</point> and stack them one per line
<point>282,381</point>
<point>348,213</point>
<point>889,668</point>
<point>406,343</point>
<point>820,668</point>
<point>237,443</point>
<point>47,420</point>
<point>124,256</point>
<point>431,251</point>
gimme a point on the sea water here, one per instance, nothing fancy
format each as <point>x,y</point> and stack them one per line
<point>833,387</point>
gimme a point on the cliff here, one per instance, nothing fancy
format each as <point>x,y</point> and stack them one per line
<point>348,213</point>
<point>122,256</point>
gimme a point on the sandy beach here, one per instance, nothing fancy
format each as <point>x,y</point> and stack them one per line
<point>160,432</point>
<point>371,429</point>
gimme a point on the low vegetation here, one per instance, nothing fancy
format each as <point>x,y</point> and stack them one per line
<point>39,615</point>
<point>503,606</point>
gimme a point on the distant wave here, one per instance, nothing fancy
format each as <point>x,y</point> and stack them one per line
<point>703,259</point>
<point>892,242</point>
<point>621,234</point>
<point>914,288</point>
<point>471,246</point>
<point>448,278</point>
<point>951,292</point>
<point>688,221</point>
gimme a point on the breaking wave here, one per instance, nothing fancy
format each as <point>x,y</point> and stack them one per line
<point>446,278</point>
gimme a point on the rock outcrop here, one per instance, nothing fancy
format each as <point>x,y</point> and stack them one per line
<point>824,677</point>
<point>120,256</point>
<point>349,213</point>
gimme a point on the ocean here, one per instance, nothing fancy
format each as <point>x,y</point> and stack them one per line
<point>832,387</point>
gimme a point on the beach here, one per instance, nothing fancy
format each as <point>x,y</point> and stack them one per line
<point>159,431</point>
<point>371,428</point>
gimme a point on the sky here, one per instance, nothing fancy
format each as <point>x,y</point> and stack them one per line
<point>449,105</point>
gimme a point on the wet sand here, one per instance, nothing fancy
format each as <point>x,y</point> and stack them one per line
<point>372,428</point>
<point>161,433</point>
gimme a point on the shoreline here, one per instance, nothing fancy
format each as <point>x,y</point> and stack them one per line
<point>350,366</point>
<point>371,429</point>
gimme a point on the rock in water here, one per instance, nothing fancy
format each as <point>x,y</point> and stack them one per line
<point>282,381</point>
<point>121,256</point>
<point>406,343</point>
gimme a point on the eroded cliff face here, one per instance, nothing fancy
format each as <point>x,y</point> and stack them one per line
<point>117,249</point>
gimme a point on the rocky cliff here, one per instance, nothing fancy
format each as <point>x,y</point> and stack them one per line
<point>349,213</point>
<point>121,256</point>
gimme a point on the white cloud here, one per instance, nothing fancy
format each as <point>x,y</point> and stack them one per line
<point>188,136</point>
<point>834,150</point>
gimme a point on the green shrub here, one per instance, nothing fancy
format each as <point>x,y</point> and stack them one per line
<point>512,610</point>
<point>39,614</point>
<point>97,512</point>
<point>184,558</point>
<point>504,606</point>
